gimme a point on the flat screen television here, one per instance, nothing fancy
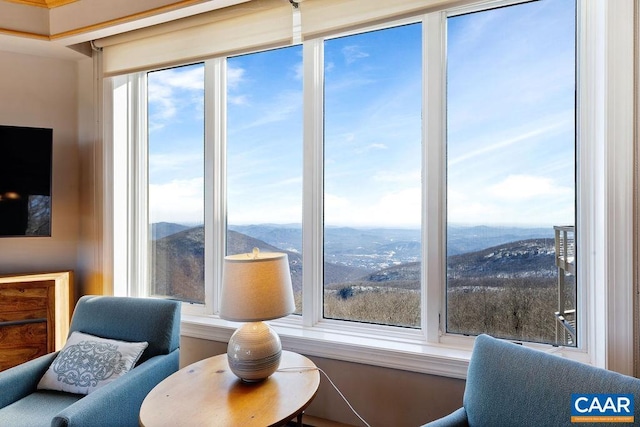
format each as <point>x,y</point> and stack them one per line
<point>25,181</point>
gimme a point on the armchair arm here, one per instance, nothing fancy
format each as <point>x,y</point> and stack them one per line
<point>21,380</point>
<point>118,403</point>
<point>457,418</point>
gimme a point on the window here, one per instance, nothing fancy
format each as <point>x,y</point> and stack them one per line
<point>372,176</point>
<point>176,182</point>
<point>264,156</point>
<point>371,154</point>
<point>511,166</point>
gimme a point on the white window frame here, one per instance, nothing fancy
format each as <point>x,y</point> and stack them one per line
<point>605,133</point>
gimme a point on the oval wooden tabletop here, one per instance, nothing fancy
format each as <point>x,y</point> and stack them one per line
<point>207,393</point>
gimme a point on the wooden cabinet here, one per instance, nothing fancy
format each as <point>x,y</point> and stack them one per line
<point>35,311</point>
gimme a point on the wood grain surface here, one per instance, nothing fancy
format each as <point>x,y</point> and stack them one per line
<point>207,393</point>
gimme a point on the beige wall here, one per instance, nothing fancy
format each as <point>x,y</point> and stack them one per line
<point>91,266</point>
<point>43,92</point>
<point>384,397</point>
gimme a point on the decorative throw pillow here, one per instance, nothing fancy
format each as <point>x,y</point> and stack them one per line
<point>87,362</point>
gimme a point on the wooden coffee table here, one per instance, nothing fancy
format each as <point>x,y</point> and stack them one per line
<point>207,393</point>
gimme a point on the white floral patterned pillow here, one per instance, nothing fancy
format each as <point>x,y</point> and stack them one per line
<point>87,362</point>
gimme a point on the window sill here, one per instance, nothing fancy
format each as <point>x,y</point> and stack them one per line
<point>407,352</point>
<point>395,348</point>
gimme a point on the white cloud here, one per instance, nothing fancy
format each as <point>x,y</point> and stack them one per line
<point>507,142</point>
<point>179,201</point>
<point>524,187</point>
<point>518,200</point>
<point>298,71</point>
<point>329,66</point>
<point>474,30</point>
<point>336,204</point>
<point>238,99</point>
<point>353,53</point>
<point>235,76</point>
<point>163,96</point>
<point>402,208</point>
<point>264,213</point>
<point>393,209</point>
<point>169,89</point>
<point>281,109</point>
<point>165,81</point>
<point>175,161</point>
<point>466,210</point>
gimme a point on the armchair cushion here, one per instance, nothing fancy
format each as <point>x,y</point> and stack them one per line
<point>21,380</point>
<point>87,363</point>
<point>37,409</point>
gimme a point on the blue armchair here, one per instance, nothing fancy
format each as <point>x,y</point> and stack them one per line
<point>117,403</point>
<point>511,385</point>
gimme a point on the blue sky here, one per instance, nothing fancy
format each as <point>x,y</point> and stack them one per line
<point>511,115</point>
<point>264,137</point>
<point>176,145</point>
<point>373,101</point>
<point>510,120</point>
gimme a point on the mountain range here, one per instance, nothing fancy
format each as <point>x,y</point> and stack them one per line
<point>371,258</point>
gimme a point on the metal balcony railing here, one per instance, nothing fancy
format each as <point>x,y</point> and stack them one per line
<point>566,319</point>
<point>566,248</point>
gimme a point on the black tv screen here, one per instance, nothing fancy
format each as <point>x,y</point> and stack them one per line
<point>25,181</point>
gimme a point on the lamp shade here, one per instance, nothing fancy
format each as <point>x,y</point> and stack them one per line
<point>256,286</point>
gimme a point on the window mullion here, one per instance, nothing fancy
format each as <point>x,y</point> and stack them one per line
<point>312,232</point>
<point>138,187</point>
<point>116,255</point>
<point>216,176</point>
<point>433,172</point>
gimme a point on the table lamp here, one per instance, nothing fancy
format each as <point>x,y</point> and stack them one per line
<point>255,287</point>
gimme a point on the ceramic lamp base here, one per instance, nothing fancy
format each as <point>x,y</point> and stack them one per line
<point>254,351</point>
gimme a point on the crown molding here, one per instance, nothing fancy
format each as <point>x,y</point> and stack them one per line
<point>25,34</point>
<point>48,4</point>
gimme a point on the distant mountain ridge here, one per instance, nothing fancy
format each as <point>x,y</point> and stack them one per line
<point>466,239</point>
<point>164,229</point>
<point>533,258</point>
<point>179,259</point>
<point>460,239</point>
<point>523,258</point>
